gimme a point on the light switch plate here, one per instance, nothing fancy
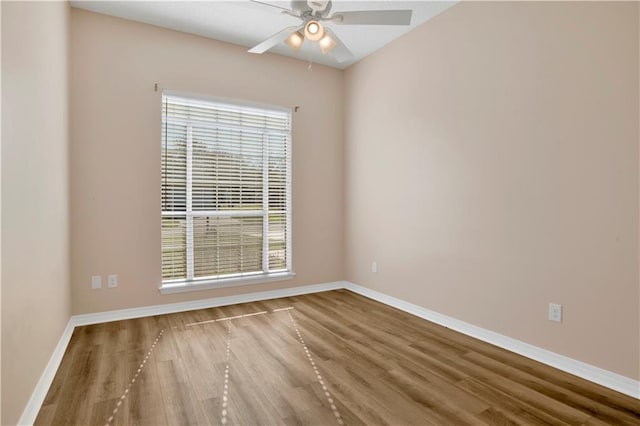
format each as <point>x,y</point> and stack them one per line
<point>96,282</point>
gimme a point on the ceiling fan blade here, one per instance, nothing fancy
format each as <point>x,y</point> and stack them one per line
<point>341,53</point>
<point>373,17</point>
<point>274,40</point>
<point>272,5</point>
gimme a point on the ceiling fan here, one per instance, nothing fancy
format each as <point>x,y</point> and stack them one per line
<point>315,15</point>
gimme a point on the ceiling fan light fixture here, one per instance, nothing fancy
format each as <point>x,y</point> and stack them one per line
<point>327,43</point>
<point>313,30</point>
<point>294,41</point>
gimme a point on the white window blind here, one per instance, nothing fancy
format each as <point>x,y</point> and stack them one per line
<point>226,180</point>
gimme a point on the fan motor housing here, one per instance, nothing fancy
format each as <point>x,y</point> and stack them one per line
<point>317,7</point>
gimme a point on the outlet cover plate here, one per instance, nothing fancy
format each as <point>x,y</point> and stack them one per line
<point>555,312</point>
<point>112,281</point>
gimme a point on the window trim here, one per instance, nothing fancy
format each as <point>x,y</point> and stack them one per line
<point>180,286</point>
<point>232,280</point>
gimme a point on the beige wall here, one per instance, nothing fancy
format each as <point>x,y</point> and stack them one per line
<point>0,217</point>
<point>35,196</point>
<point>115,152</point>
<point>492,167</point>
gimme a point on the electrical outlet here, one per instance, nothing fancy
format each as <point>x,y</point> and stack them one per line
<point>112,281</point>
<point>374,267</point>
<point>555,312</point>
<point>96,282</point>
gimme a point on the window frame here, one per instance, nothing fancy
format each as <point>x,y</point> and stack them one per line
<point>191,283</point>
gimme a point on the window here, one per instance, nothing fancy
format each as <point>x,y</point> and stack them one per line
<point>226,193</point>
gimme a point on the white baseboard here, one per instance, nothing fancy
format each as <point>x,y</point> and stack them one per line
<point>171,308</point>
<point>40,392</point>
<point>586,371</point>
<point>578,368</point>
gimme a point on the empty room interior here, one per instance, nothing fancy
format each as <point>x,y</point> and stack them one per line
<point>320,213</point>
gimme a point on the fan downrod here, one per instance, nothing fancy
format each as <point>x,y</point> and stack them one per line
<point>317,8</point>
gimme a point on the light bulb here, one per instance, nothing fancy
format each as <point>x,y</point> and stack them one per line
<point>327,43</point>
<point>313,31</point>
<point>294,41</point>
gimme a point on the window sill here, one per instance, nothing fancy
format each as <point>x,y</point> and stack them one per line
<point>184,286</point>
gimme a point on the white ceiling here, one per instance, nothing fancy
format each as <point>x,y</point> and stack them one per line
<point>247,23</point>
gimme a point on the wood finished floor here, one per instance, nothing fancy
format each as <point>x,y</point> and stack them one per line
<point>378,365</point>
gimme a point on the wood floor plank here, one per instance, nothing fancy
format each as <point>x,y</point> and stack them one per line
<point>373,399</point>
<point>179,400</point>
<point>145,404</point>
<point>570,398</point>
<point>556,408</point>
<point>329,358</point>
<point>46,414</point>
<point>508,406</point>
<point>75,401</point>
<point>61,375</point>
<point>494,417</point>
